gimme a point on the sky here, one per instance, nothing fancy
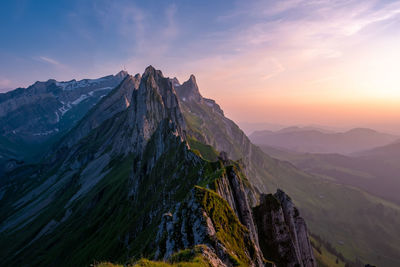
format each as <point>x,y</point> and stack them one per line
<point>320,62</point>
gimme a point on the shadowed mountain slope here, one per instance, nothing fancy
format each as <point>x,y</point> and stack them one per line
<point>33,118</point>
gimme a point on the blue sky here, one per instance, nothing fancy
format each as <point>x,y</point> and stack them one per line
<point>68,39</point>
<point>297,59</point>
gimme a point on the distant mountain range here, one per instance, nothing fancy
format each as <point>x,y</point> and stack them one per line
<point>387,153</point>
<point>376,171</point>
<point>249,127</point>
<point>316,140</point>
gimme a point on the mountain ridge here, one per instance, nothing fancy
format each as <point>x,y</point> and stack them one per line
<point>317,141</point>
<point>199,161</point>
<point>119,175</point>
<point>33,118</point>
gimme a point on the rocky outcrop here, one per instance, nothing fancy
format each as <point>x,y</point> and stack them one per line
<point>206,218</point>
<point>282,232</point>
<point>128,118</point>
<point>189,91</point>
<point>230,186</point>
<point>274,230</point>
<point>175,82</point>
<point>298,230</point>
<point>154,101</point>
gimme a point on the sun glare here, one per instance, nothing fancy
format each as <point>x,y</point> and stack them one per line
<point>381,76</point>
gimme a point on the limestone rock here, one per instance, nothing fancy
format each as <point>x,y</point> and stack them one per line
<point>282,232</point>
<point>206,218</point>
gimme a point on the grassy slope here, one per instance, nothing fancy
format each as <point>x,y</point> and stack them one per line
<point>364,225</point>
<point>229,231</point>
<point>85,241</point>
<point>326,259</point>
<point>108,214</point>
<point>206,151</point>
<point>377,175</point>
<point>356,223</point>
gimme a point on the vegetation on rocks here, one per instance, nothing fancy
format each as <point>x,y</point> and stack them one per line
<point>233,235</point>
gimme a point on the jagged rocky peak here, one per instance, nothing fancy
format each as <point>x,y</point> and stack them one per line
<point>141,105</point>
<point>150,70</point>
<point>175,82</point>
<point>189,90</point>
<point>189,93</point>
<point>192,80</point>
<point>282,233</point>
<point>159,100</point>
<point>122,74</point>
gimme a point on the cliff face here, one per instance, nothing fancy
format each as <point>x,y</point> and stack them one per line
<point>118,100</point>
<point>206,218</point>
<point>137,106</point>
<point>230,186</point>
<point>272,234</point>
<point>132,142</point>
<point>282,232</point>
<point>298,229</point>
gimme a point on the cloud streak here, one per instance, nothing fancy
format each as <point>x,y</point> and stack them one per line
<point>51,61</point>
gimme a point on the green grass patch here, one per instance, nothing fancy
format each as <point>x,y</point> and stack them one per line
<point>207,152</point>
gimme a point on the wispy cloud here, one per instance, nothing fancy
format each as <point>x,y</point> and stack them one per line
<point>276,69</point>
<point>296,33</point>
<point>299,24</point>
<point>298,50</point>
<point>51,61</point>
